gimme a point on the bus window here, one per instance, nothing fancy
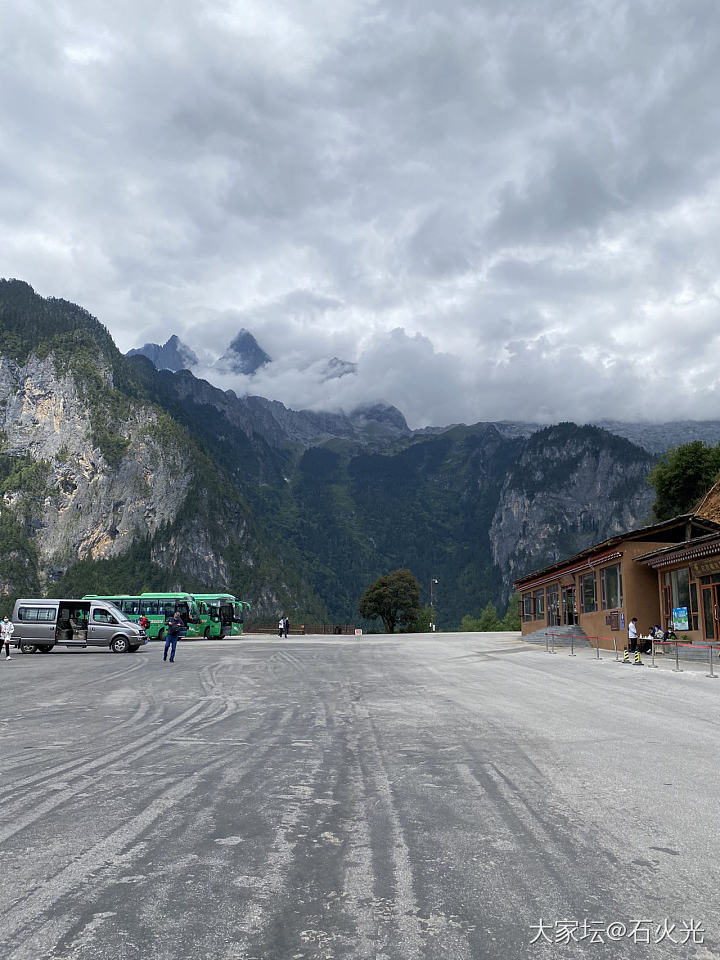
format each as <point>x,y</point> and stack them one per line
<point>130,607</point>
<point>167,608</point>
<point>150,608</point>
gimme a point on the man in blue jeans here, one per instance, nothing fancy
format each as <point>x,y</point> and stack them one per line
<point>176,629</point>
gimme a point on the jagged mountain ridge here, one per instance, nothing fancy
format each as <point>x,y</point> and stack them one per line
<point>172,355</point>
<point>652,437</point>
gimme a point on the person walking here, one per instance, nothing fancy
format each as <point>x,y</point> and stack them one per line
<point>7,628</point>
<point>286,627</point>
<point>176,629</point>
<point>633,634</point>
<point>281,626</point>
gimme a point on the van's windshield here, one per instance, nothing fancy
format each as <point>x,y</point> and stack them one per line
<point>118,614</point>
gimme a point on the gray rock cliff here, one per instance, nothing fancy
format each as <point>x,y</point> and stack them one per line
<point>89,508</point>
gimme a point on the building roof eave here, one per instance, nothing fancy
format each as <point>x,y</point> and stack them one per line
<point>560,566</point>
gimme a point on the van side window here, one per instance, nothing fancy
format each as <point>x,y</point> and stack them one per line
<point>33,614</point>
<point>102,616</point>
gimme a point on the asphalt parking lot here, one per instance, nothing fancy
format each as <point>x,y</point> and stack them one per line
<point>449,796</point>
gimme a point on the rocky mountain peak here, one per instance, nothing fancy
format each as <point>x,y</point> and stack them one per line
<point>380,414</point>
<point>336,368</point>
<point>243,355</point>
<point>172,355</point>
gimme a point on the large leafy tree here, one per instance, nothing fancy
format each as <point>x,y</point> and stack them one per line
<point>682,476</point>
<point>395,598</point>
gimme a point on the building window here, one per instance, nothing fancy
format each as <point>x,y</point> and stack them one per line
<point>553,606</point>
<point>588,592</point>
<point>527,607</point>
<point>683,593</point>
<point>539,600</point>
<point>611,580</point>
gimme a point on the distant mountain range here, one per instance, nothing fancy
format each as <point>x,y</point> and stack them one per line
<point>243,356</point>
<point>119,476</point>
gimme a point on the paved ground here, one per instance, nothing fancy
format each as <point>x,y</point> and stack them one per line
<point>432,797</point>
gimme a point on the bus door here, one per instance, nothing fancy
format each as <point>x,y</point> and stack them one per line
<point>226,619</point>
<point>189,617</point>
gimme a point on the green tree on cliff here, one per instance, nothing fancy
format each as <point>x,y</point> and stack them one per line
<point>395,598</point>
<point>682,476</point>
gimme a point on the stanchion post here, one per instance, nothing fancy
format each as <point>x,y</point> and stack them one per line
<point>572,645</point>
<point>617,656</point>
<point>710,652</point>
<point>597,648</point>
<point>546,643</point>
<point>677,658</point>
<point>553,644</point>
<point>652,647</point>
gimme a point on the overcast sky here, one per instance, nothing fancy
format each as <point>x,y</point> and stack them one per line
<point>500,210</point>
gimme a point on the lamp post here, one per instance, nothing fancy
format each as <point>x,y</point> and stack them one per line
<point>433,581</point>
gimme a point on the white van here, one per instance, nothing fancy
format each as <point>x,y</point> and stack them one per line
<point>42,624</point>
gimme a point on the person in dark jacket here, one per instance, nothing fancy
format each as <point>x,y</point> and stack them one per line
<point>176,629</point>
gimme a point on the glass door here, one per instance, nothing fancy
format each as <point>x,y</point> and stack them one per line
<point>568,605</point>
<point>711,611</point>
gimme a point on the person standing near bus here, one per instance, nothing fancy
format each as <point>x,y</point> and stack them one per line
<point>7,628</point>
<point>176,628</point>
<point>281,626</point>
<point>286,626</point>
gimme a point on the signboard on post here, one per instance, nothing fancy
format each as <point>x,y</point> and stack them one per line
<point>680,618</point>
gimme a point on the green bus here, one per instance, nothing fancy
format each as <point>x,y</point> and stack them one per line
<point>224,612</point>
<point>207,615</point>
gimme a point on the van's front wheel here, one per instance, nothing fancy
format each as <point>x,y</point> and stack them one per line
<point>119,645</point>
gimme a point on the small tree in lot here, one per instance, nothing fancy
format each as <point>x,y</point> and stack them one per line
<point>511,620</point>
<point>395,598</point>
<point>422,622</point>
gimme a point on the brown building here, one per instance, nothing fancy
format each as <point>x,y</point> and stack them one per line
<point>688,579</point>
<point>603,587</point>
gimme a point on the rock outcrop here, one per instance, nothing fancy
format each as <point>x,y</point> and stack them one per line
<point>569,488</point>
<point>88,508</point>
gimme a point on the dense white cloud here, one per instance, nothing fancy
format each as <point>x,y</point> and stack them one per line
<point>497,211</point>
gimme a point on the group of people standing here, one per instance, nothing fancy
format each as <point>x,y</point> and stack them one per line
<point>283,627</point>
